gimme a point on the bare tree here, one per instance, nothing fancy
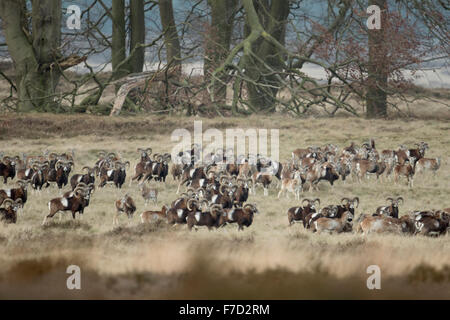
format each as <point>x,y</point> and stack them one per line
<point>171,40</point>
<point>35,49</point>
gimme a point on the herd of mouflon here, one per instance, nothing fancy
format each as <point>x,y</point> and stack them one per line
<point>218,187</point>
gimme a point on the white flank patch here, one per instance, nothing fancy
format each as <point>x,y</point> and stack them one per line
<point>275,166</point>
<point>64,202</point>
<point>296,211</point>
<point>230,215</point>
<point>153,166</point>
<point>191,172</point>
<point>436,224</point>
<point>201,182</point>
<point>49,205</point>
<point>180,213</point>
<point>314,215</point>
<point>176,202</point>
<point>27,172</point>
<point>197,216</point>
<point>8,193</point>
<point>214,198</point>
<point>81,177</point>
<point>109,173</point>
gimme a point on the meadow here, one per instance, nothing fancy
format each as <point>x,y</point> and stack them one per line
<point>269,260</point>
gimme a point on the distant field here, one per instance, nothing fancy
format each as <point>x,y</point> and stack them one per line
<point>267,260</point>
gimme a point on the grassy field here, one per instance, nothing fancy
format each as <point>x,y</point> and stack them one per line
<point>268,260</point>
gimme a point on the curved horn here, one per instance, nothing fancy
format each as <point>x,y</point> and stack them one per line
<point>188,204</point>
<point>221,189</point>
<point>20,181</point>
<point>357,201</point>
<point>250,205</point>
<point>223,177</point>
<point>216,205</point>
<point>317,200</point>
<point>400,198</point>
<point>390,199</point>
<point>77,190</point>
<point>307,200</point>
<point>58,164</point>
<point>342,200</point>
<point>7,201</point>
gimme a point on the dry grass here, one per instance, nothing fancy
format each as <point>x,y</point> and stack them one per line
<point>268,260</point>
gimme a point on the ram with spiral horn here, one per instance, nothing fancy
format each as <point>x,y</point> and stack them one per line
<point>59,174</point>
<point>297,214</point>
<point>7,168</point>
<point>8,214</point>
<point>76,203</point>
<point>391,210</point>
<point>87,178</point>
<point>243,217</point>
<point>178,213</point>
<point>224,197</point>
<point>243,190</point>
<point>114,173</point>
<point>39,175</point>
<point>190,173</point>
<point>145,154</point>
<point>16,193</point>
<point>210,217</point>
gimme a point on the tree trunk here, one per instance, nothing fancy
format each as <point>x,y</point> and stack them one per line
<point>35,57</point>
<point>218,40</point>
<point>171,40</point>
<point>272,17</point>
<point>376,96</point>
<point>118,47</point>
<point>137,26</point>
